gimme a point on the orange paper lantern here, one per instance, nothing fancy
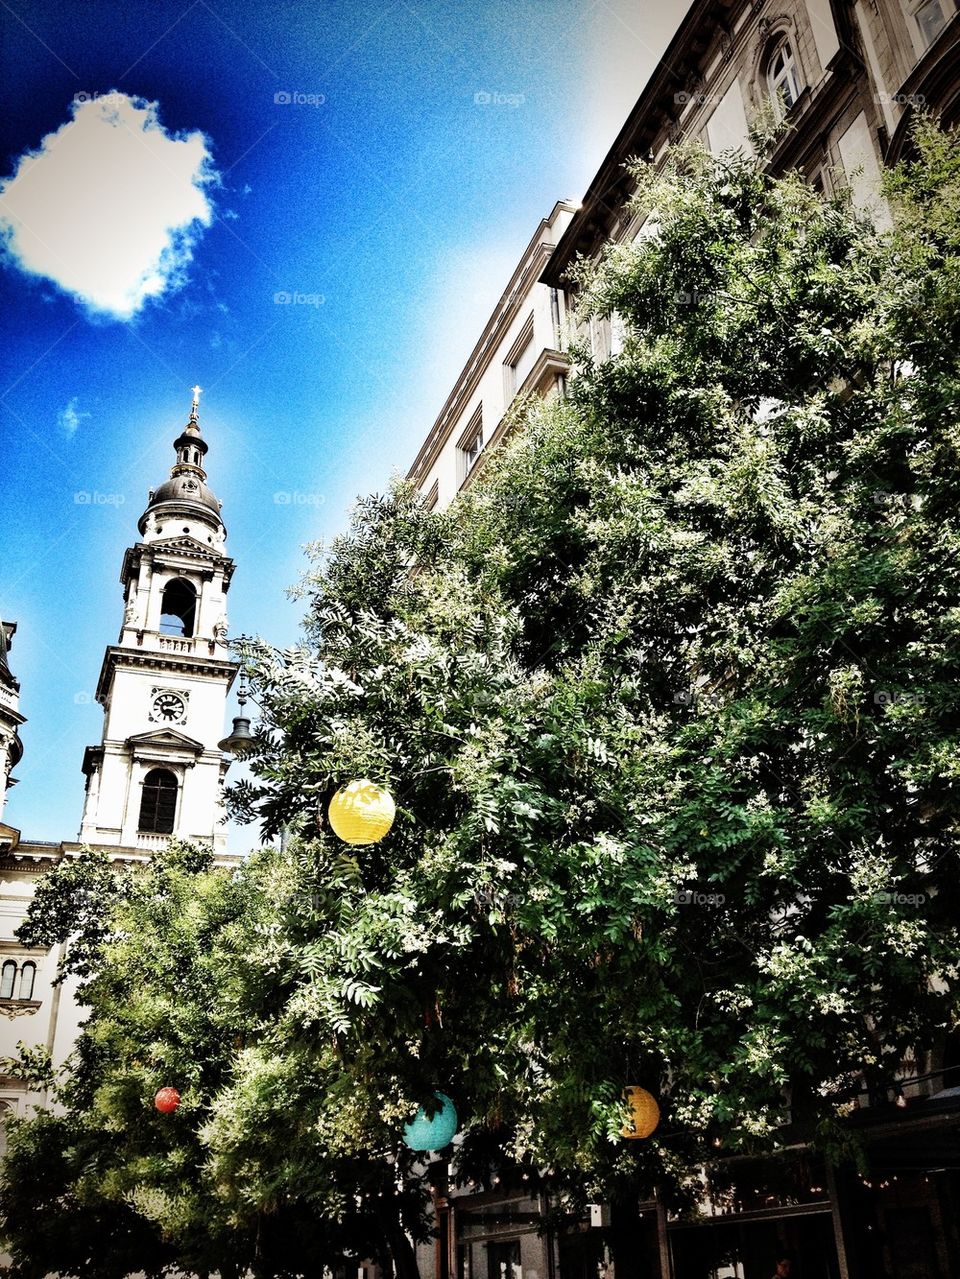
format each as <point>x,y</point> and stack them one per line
<point>644,1113</point>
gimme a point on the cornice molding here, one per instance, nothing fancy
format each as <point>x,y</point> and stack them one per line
<point>702,33</point>
<point>525,278</point>
<point>14,948</point>
<point>162,740</point>
<point>168,553</point>
<point>11,1008</point>
<point>36,859</point>
<point>143,659</point>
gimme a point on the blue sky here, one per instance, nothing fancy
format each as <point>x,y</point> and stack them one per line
<point>383,192</point>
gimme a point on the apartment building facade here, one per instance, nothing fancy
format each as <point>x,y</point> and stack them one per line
<point>849,75</point>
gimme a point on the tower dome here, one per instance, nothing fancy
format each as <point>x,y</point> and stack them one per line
<point>186,492</point>
<point>189,489</point>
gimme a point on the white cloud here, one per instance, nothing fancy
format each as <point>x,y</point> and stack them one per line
<point>110,206</point>
<point>71,417</point>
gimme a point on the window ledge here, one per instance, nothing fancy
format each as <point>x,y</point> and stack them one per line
<point>11,1008</point>
<point>799,105</point>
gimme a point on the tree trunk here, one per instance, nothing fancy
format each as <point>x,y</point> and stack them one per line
<point>624,1237</point>
<point>402,1252</point>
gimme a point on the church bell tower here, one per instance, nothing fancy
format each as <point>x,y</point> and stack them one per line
<point>158,771</point>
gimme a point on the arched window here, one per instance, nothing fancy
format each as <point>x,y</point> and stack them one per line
<point>178,608</point>
<point>13,988</point>
<point>8,975</point>
<point>28,975</point>
<point>783,76</point>
<point>158,802</point>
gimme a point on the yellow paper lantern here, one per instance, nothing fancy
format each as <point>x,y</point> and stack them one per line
<point>644,1113</point>
<point>361,813</point>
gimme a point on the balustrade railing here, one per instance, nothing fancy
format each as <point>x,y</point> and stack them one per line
<point>176,644</point>
<point>146,840</point>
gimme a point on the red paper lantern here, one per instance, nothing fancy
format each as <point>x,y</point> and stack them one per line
<point>167,1100</point>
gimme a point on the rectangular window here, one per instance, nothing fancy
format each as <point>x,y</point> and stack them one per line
<point>930,20</point>
<point>470,445</point>
<point>503,1260</point>
<point>472,450</point>
<point>816,173</point>
<point>520,360</point>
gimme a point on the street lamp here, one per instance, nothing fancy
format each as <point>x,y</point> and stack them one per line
<point>241,741</point>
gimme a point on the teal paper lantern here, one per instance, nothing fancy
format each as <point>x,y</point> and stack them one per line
<point>435,1133</point>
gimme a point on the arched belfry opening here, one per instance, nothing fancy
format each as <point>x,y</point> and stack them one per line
<point>178,609</point>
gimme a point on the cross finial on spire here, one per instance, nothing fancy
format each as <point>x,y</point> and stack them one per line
<point>194,408</point>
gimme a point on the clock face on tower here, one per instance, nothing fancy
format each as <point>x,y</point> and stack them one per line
<point>168,707</point>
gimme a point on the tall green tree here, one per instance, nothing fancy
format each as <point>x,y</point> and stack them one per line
<point>669,701</point>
